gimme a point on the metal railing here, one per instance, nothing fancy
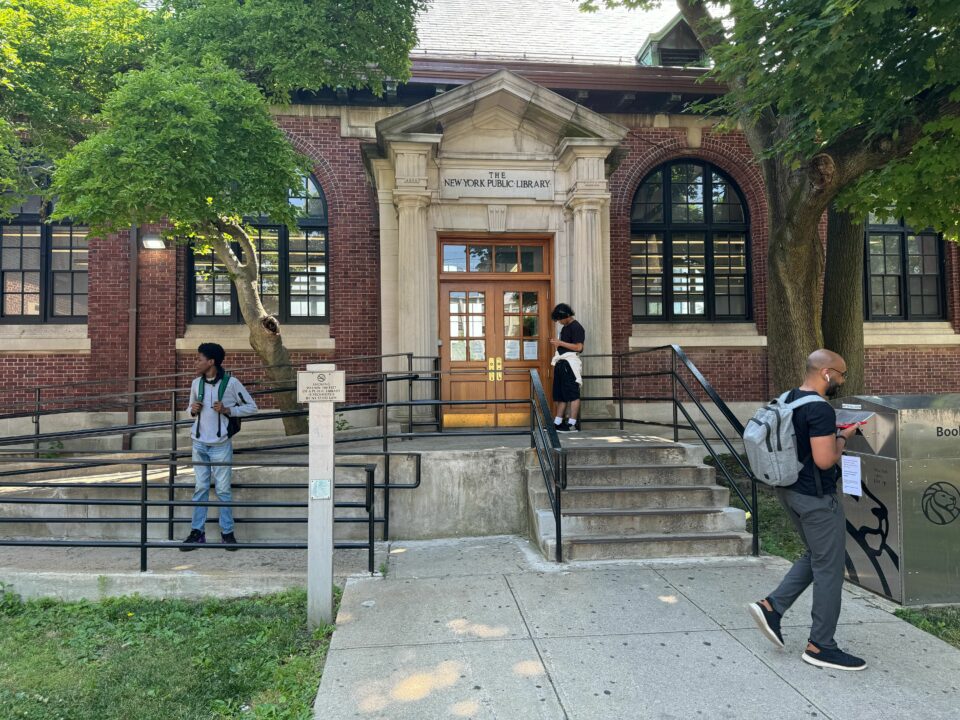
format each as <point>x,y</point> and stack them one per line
<point>551,456</point>
<point>686,385</point>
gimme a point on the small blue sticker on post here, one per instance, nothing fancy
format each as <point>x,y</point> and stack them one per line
<point>320,489</point>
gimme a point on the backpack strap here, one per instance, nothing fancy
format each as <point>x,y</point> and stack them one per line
<point>805,400</point>
<point>224,382</point>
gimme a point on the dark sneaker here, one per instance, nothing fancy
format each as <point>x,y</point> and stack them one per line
<point>195,537</point>
<point>562,427</point>
<point>229,540</point>
<point>835,659</point>
<point>768,621</point>
<point>567,427</point>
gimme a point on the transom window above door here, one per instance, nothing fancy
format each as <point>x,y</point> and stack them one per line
<point>689,247</point>
<point>480,257</point>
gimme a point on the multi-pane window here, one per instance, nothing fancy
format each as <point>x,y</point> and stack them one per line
<point>293,267</point>
<point>689,254</point>
<point>43,269</point>
<point>904,273</point>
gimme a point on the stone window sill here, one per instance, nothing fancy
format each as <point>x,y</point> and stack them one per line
<point>236,338</point>
<point>44,339</point>
<point>881,334</point>
<point>696,335</point>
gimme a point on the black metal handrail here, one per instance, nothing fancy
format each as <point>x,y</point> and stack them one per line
<point>678,360</point>
<point>551,455</point>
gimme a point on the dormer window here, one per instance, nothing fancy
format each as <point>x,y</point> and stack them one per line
<point>674,46</point>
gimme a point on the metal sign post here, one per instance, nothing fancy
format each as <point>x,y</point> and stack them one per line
<point>321,386</point>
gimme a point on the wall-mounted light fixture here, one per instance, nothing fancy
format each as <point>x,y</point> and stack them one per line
<point>153,241</point>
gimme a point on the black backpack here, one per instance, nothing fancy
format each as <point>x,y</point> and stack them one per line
<point>233,423</point>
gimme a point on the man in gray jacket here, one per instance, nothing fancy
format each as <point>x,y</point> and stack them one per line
<point>216,400</point>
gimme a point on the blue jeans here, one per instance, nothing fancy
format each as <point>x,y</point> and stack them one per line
<point>220,453</point>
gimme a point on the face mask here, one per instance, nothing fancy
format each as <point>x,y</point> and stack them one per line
<point>833,388</point>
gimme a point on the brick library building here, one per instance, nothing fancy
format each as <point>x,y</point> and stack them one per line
<point>536,155</point>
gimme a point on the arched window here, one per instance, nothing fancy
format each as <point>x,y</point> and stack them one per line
<point>43,267</point>
<point>293,267</point>
<point>904,273</point>
<point>689,247</point>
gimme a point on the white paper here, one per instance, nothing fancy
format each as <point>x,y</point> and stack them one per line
<point>852,481</point>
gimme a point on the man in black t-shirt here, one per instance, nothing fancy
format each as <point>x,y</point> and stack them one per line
<point>814,506</point>
<point>567,368</point>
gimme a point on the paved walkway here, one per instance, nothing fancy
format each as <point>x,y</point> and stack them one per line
<point>484,628</point>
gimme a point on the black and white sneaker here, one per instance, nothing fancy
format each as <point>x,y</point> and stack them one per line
<point>561,427</point>
<point>196,537</point>
<point>835,659</point>
<point>768,621</point>
<point>567,427</point>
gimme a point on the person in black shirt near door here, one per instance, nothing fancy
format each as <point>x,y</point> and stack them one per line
<point>567,369</point>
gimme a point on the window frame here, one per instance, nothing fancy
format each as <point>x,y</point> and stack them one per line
<point>47,287</point>
<point>667,228</point>
<point>903,230</point>
<point>305,224</point>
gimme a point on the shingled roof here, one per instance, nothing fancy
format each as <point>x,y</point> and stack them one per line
<point>540,30</point>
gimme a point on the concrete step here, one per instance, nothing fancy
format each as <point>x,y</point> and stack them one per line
<point>611,521</point>
<point>651,545</point>
<point>639,474</point>
<point>650,453</point>
<point>636,498</point>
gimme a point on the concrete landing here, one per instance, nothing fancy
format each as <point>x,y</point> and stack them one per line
<point>484,628</point>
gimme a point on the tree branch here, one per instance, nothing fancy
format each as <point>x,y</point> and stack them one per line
<point>249,268</point>
<point>704,26</point>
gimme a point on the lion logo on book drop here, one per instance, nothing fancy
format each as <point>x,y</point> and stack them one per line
<point>941,503</point>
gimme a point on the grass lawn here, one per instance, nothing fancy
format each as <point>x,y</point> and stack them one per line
<point>778,537</point>
<point>134,658</point>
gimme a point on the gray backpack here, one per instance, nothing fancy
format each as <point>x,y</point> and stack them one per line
<point>771,441</point>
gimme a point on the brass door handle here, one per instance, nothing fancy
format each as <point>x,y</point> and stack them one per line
<point>491,367</point>
<point>499,369</point>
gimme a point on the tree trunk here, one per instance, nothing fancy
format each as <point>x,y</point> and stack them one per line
<point>794,300</point>
<point>265,338</point>
<point>843,295</point>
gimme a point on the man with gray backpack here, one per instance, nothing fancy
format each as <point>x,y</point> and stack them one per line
<point>217,401</point>
<point>794,446</point>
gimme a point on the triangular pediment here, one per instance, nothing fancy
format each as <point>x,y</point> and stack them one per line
<point>498,103</point>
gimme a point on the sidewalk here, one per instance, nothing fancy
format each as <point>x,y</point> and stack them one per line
<point>484,628</point>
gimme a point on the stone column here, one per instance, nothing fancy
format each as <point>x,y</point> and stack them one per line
<point>588,203</point>
<point>417,319</point>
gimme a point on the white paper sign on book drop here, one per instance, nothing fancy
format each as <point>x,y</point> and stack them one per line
<point>852,480</point>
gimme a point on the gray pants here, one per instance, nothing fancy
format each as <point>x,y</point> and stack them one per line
<point>822,527</point>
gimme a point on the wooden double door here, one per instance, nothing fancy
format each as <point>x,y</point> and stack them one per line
<point>493,332</point>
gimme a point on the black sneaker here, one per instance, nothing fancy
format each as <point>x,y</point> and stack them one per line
<point>567,427</point>
<point>835,659</point>
<point>196,537</point>
<point>561,427</point>
<point>768,621</point>
<point>229,540</point>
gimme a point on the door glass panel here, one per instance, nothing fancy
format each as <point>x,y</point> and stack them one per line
<point>481,258</point>
<point>511,326</point>
<point>530,348</point>
<point>476,302</point>
<point>454,258</point>
<point>458,350</point>
<point>531,259</point>
<point>477,326</point>
<point>458,302</point>
<point>507,259</point>
<point>511,302</point>
<point>530,325</point>
<point>458,327</point>
<point>511,350</point>
<point>530,303</point>
<point>478,350</point>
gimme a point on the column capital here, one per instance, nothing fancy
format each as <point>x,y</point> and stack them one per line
<point>585,202</point>
<point>412,200</point>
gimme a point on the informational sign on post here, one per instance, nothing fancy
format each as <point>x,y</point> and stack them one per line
<point>321,386</point>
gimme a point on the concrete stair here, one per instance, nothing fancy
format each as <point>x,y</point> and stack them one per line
<point>633,496</point>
